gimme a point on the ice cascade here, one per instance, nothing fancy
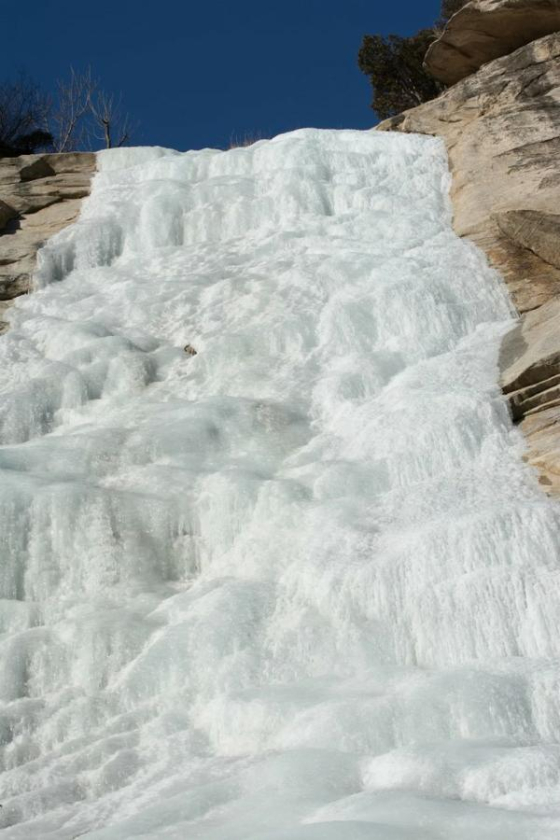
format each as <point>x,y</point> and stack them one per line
<point>293,582</point>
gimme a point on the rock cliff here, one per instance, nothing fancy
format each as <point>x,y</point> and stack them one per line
<point>501,125</point>
<point>39,195</point>
<point>487,29</point>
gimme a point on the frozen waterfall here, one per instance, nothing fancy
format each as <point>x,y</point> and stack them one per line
<point>297,582</point>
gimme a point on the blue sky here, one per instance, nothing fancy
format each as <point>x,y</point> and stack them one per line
<point>197,74</point>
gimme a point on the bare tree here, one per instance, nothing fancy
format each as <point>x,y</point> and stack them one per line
<point>83,114</point>
<point>111,124</point>
<point>78,116</point>
<point>69,110</point>
<point>23,117</point>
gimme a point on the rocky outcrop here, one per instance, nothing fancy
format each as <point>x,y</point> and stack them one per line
<point>538,232</point>
<point>502,130</point>
<point>487,29</point>
<point>39,195</point>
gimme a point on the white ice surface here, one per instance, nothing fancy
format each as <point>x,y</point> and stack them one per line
<point>299,586</point>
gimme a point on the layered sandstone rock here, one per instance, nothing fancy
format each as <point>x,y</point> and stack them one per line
<point>502,130</point>
<point>39,195</point>
<point>487,29</point>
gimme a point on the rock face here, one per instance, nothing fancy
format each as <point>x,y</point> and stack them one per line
<point>39,195</point>
<point>502,130</point>
<point>487,29</point>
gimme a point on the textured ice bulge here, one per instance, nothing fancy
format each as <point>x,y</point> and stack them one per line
<point>296,582</point>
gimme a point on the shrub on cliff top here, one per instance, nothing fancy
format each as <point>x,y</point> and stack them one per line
<point>449,7</point>
<point>394,65</point>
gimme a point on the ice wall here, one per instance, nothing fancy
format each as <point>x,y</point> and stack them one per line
<point>299,584</point>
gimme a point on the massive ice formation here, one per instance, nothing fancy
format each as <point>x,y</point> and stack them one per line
<point>299,585</point>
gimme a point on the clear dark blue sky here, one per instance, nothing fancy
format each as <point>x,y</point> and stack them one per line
<point>196,74</point>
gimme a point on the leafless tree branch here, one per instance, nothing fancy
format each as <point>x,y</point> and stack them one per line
<point>112,125</point>
<point>72,105</point>
<point>80,115</point>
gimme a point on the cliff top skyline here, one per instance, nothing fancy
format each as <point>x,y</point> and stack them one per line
<point>197,75</point>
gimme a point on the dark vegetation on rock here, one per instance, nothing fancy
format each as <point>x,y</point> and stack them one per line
<point>394,65</point>
<point>23,118</point>
<point>395,68</point>
<point>448,9</point>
